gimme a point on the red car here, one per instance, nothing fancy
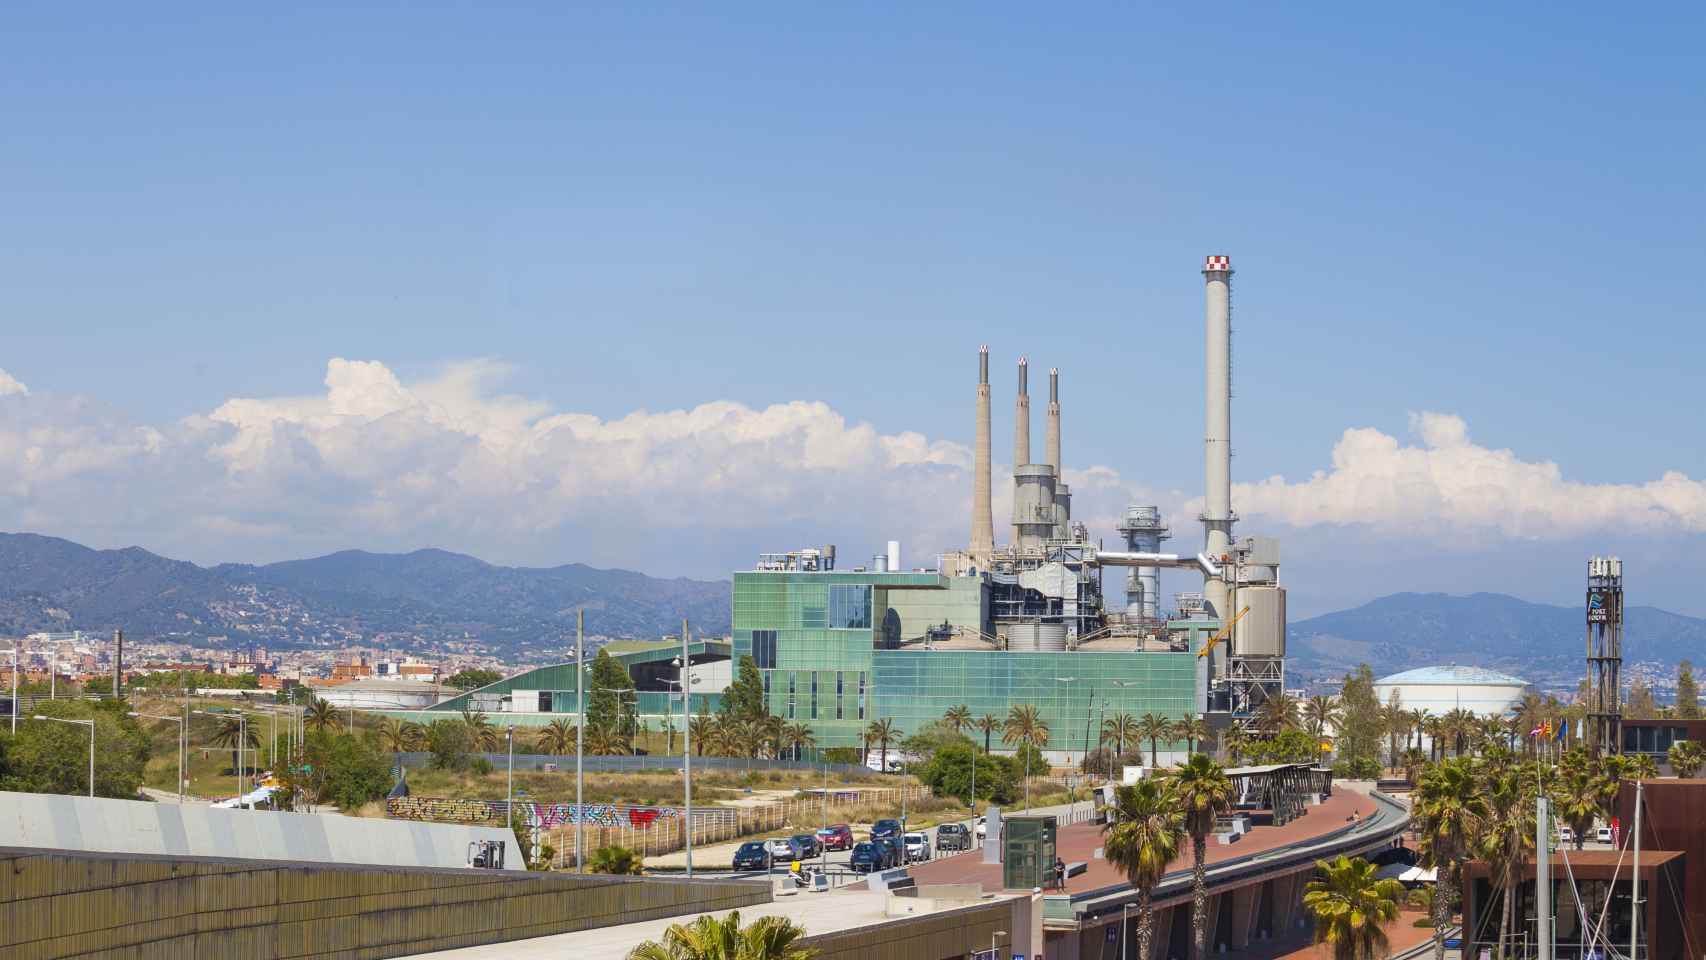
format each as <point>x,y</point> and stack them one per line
<point>838,837</point>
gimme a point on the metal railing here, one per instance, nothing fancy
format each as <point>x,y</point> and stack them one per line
<point>619,763</point>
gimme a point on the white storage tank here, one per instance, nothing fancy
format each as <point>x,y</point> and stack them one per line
<point>1440,690</point>
<point>1036,636</point>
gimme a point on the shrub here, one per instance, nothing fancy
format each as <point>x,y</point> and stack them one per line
<point>450,744</point>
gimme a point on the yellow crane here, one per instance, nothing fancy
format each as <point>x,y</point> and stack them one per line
<point>1225,632</point>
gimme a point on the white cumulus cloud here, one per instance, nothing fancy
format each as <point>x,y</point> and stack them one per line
<point>10,385</point>
<point>1447,484</point>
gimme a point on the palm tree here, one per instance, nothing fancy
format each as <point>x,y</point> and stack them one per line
<point>1142,838</point>
<point>1449,804</point>
<point>1277,714</point>
<point>702,729</point>
<point>1025,727</point>
<point>1321,712</point>
<point>798,736</point>
<point>986,725</point>
<point>617,860</point>
<point>1202,791</point>
<point>1396,721</point>
<point>882,733</point>
<point>708,938</point>
<point>1575,799</point>
<point>235,733</point>
<point>558,738</point>
<point>1506,836</point>
<point>770,730</point>
<point>320,715</point>
<point>958,717</point>
<point>1686,758</point>
<point>1120,729</point>
<point>1152,727</point>
<point>1191,730</point>
<point>1236,743</point>
<point>399,736</point>
<point>606,741</point>
<point>1351,908</point>
<point>480,730</point>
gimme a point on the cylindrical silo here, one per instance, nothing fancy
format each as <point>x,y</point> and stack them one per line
<point>1033,506</point>
<point>1261,633</point>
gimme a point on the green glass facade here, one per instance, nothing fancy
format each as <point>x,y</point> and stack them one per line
<point>821,651</point>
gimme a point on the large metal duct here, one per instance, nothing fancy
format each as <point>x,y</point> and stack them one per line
<point>1033,506</point>
<point>1217,514</point>
<point>982,546</point>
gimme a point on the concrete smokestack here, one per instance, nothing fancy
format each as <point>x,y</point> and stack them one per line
<point>1051,440</point>
<point>118,664</point>
<point>1217,430</point>
<point>982,546</point>
<point>1022,419</point>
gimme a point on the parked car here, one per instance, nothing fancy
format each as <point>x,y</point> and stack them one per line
<point>892,849</point>
<point>752,855</point>
<point>952,836</point>
<point>917,847</point>
<point>784,849</point>
<point>1603,835</point>
<point>838,837</point>
<point>867,857</point>
<point>885,828</point>
<point>1566,835</point>
<point>809,847</point>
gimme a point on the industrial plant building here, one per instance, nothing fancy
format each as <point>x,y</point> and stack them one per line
<point>996,625</point>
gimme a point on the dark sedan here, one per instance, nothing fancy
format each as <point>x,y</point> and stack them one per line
<point>752,856</point>
<point>808,844</point>
<point>868,857</point>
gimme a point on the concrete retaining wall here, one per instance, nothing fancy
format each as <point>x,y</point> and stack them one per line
<point>56,822</point>
<point>56,905</point>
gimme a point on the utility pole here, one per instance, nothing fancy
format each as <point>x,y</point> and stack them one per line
<point>1635,884</point>
<point>1543,876</point>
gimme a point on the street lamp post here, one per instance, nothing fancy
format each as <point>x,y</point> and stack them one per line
<point>180,722</point>
<point>1123,912</point>
<point>580,728</point>
<point>509,791</point>
<point>91,725</point>
<point>992,938</point>
<point>687,752</point>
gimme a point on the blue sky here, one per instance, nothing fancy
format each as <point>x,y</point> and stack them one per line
<point>1491,214</point>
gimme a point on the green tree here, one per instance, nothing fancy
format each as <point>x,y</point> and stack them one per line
<point>744,697</point>
<point>47,757</point>
<point>349,771</point>
<point>1203,792</point>
<point>1575,797</point>
<point>481,734</point>
<point>473,679</point>
<point>1352,907</point>
<point>702,729</point>
<point>949,774</point>
<point>1640,705</point>
<point>1024,727</point>
<point>1505,837</point>
<point>450,743</point>
<point>931,737</point>
<point>1278,713</point>
<point>797,737</point>
<point>400,736</point>
<point>708,938</point>
<point>1449,806</point>
<point>606,742</point>
<point>1358,743</point>
<point>1142,838</point>
<point>1686,757</point>
<point>610,701</point>
<point>1319,713</point>
<point>1687,692</point>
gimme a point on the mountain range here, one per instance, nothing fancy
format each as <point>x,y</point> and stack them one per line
<point>49,584</point>
<point>1528,640</point>
<point>354,597</point>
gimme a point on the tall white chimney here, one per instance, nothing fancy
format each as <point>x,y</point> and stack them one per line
<point>1022,419</point>
<point>1051,439</point>
<point>982,546</point>
<point>1217,514</point>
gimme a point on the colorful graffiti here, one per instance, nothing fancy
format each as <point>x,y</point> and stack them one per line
<point>545,815</point>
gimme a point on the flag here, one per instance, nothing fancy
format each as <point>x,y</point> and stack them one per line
<point>1539,728</point>
<point>1564,730</point>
